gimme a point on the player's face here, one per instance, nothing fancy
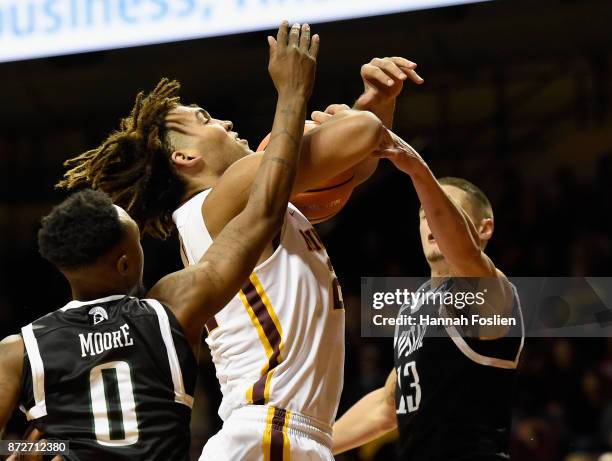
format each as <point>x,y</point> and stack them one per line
<point>202,135</point>
<point>132,249</point>
<point>428,241</point>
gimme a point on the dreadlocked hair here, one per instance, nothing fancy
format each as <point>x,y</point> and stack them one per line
<point>133,165</point>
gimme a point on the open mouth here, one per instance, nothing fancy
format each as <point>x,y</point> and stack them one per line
<point>240,140</point>
<point>430,238</point>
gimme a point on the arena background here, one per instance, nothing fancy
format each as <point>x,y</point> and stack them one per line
<point>517,99</point>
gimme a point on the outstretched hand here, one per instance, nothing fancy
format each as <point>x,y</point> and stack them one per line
<point>293,59</point>
<point>383,80</point>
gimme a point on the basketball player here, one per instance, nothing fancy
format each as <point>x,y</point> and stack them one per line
<point>112,373</point>
<point>278,346</point>
<point>450,391</point>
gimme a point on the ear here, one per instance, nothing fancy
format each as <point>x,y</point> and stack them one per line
<point>183,160</point>
<point>485,231</point>
<point>123,265</point>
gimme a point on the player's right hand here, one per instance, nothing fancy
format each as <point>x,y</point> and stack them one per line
<point>383,80</point>
<point>293,59</point>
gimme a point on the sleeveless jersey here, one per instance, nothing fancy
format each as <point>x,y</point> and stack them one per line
<point>114,376</point>
<point>280,340</point>
<point>454,393</point>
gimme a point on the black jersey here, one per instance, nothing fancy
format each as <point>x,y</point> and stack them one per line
<point>114,376</point>
<point>453,394</point>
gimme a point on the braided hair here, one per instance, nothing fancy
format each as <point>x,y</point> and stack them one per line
<point>133,164</point>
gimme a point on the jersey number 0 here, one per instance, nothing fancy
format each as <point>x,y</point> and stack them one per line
<point>113,405</point>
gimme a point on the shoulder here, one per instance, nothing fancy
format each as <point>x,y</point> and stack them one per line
<point>230,193</point>
<point>12,341</point>
<point>241,172</point>
<point>244,162</point>
<point>507,288</point>
<point>11,350</point>
<point>139,307</point>
<point>182,214</point>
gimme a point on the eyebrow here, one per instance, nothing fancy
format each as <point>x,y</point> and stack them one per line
<point>203,112</point>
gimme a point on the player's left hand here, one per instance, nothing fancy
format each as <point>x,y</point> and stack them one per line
<point>383,80</point>
<point>332,109</point>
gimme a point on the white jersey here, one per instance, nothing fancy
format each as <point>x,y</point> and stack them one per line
<point>280,340</point>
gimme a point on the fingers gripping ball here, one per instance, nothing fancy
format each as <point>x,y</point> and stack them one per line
<point>326,199</point>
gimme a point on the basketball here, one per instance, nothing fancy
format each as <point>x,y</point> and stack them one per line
<point>325,200</point>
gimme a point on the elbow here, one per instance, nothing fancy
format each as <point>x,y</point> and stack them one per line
<point>370,128</point>
<point>387,417</point>
<point>388,421</point>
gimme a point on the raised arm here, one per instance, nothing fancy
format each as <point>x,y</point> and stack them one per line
<point>458,238</point>
<point>383,81</point>
<point>453,229</point>
<point>198,292</point>
<point>345,139</point>
<point>370,418</point>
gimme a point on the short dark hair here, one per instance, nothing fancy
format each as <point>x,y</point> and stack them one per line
<point>80,230</point>
<point>479,199</point>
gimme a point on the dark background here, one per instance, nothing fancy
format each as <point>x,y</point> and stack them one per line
<point>517,99</point>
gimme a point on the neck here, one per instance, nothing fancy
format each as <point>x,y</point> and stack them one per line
<point>86,294</point>
<point>198,184</point>
<point>93,286</point>
<point>439,270</point>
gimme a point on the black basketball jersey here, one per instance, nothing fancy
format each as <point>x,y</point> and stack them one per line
<point>454,393</point>
<point>114,376</point>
